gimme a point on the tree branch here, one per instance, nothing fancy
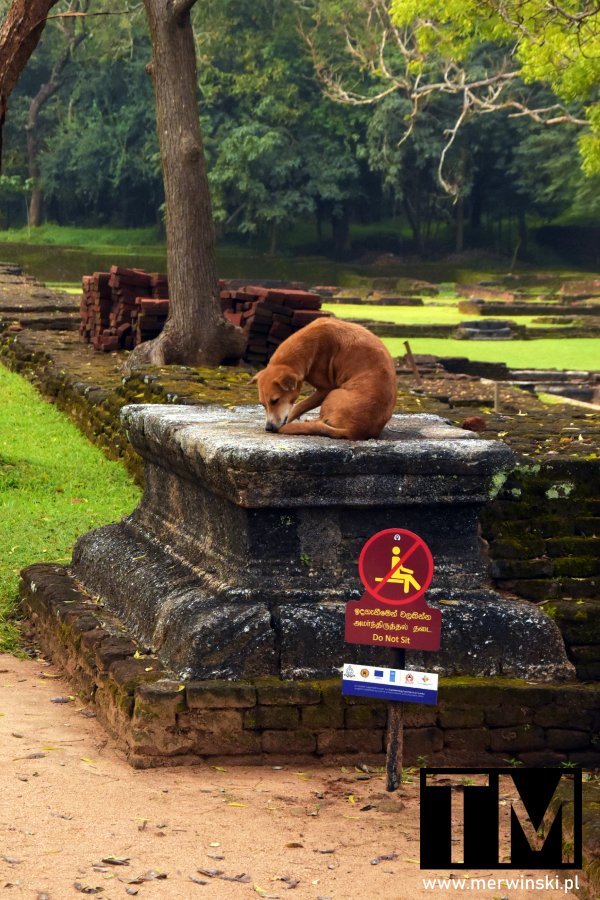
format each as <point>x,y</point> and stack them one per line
<point>181,7</point>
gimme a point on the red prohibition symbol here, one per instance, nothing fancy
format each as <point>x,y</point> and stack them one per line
<point>395,566</point>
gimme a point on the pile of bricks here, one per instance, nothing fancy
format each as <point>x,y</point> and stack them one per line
<point>269,316</point>
<point>125,307</point>
<point>121,308</point>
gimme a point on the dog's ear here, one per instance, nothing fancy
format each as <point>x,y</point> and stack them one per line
<point>254,378</point>
<point>287,381</point>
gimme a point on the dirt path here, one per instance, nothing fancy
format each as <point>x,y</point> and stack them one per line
<point>69,800</point>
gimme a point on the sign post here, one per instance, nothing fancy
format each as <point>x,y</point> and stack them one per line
<point>396,568</point>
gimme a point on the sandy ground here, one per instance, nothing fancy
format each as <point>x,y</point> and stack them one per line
<point>69,801</point>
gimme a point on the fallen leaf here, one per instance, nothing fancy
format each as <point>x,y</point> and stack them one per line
<point>12,860</point>
<point>60,699</point>
<point>262,893</point>
<point>211,873</point>
<point>116,860</point>
<point>197,880</point>
<point>86,888</point>
<point>242,879</point>
<point>214,844</point>
<point>351,798</point>
<point>294,844</point>
<point>218,768</point>
<point>325,850</point>
<point>86,759</point>
<point>237,804</point>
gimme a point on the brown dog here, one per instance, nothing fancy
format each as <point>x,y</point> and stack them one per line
<point>353,375</point>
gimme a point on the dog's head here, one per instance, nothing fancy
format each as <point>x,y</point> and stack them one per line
<point>278,389</point>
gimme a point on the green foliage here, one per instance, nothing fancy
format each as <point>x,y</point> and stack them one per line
<point>277,149</point>
<point>280,152</point>
<point>542,353</point>
<point>54,486</point>
<point>544,43</point>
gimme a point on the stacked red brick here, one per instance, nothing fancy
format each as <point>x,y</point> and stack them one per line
<point>95,306</point>
<point>125,307</point>
<point>122,308</point>
<point>269,316</point>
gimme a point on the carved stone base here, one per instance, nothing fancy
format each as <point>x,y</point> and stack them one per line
<point>241,556</point>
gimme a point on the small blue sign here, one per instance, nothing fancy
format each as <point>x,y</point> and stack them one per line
<point>389,684</point>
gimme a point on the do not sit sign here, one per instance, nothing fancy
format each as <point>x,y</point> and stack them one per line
<point>396,568</point>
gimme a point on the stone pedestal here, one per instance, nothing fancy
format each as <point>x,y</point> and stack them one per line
<point>243,551</point>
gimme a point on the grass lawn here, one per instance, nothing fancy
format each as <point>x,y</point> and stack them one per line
<point>542,353</point>
<point>430,314</point>
<point>96,238</point>
<point>54,486</point>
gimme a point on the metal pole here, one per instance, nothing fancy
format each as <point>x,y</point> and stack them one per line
<point>395,733</point>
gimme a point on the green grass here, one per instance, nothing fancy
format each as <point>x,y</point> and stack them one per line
<point>92,238</point>
<point>430,314</point>
<point>542,353</point>
<point>54,486</point>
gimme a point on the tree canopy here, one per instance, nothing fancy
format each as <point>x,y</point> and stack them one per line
<point>455,89</point>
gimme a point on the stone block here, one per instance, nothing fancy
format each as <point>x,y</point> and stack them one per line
<point>587,759</point>
<point>213,721</point>
<point>587,526</point>
<point>113,649</point>
<point>556,716</point>
<point>289,743</point>
<point>537,759</point>
<point>422,742</point>
<point>576,566</point>
<point>161,699</point>
<point>509,715</point>
<point>324,716</point>
<point>521,568</point>
<point>129,673</point>
<point>224,743</point>
<point>272,717</point>
<point>359,741</point>
<point>573,546</point>
<point>579,621</point>
<point>456,717</point>
<point>467,739</point>
<point>372,716</point>
<point>418,715</point>
<point>526,546</point>
<point>287,693</point>
<point>219,695</point>
<point>516,740</point>
<point>565,739</point>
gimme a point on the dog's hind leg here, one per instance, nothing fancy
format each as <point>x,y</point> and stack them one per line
<point>318,428</point>
<point>315,399</point>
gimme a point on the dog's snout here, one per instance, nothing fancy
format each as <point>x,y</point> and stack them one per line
<point>270,427</point>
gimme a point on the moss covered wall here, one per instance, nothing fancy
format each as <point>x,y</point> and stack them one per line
<point>543,531</point>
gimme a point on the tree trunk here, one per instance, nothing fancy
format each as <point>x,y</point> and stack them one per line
<point>195,332</point>
<point>33,145</point>
<point>19,36</point>
<point>46,91</point>
<point>460,225</point>
<point>340,227</point>
<point>414,220</point>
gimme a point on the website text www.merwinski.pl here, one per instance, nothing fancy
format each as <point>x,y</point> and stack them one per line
<point>521,883</point>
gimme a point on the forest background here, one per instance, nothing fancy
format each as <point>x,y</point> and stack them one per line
<point>289,166</point>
